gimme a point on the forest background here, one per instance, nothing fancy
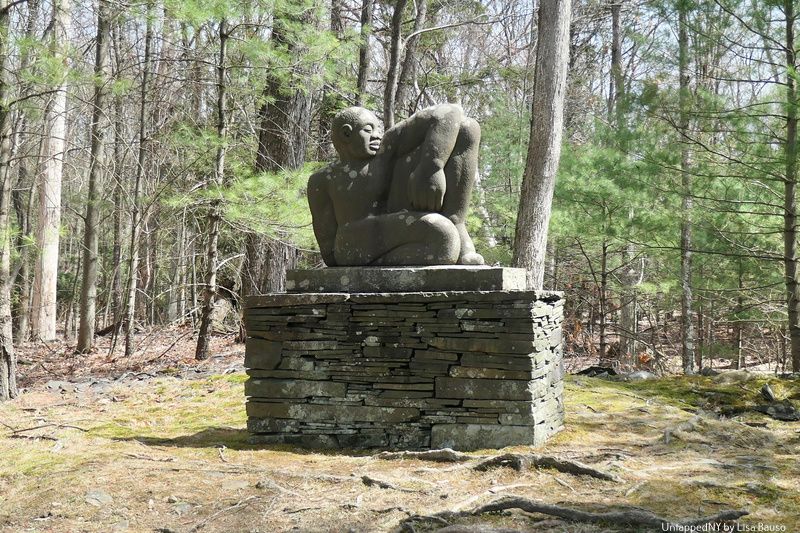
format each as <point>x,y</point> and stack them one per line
<point>154,158</point>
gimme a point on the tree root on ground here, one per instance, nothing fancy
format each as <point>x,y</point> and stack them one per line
<point>519,462</point>
<point>630,517</point>
<point>445,455</point>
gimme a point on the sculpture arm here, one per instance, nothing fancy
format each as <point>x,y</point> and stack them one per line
<point>434,131</point>
<point>323,217</point>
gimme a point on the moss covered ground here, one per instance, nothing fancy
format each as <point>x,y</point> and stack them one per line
<point>170,453</point>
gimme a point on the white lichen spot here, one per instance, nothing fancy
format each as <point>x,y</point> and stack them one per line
<point>409,221</point>
<point>408,159</point>
<point>345,280</point>
<point>352,173</point>
<point>371,341</point>
<point>374,204</point>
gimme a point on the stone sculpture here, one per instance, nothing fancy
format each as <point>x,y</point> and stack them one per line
<point>399,198</point>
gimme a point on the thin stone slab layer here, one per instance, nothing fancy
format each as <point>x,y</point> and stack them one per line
<point>406,279</point>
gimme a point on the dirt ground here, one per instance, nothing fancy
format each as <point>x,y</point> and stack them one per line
<point>158,443</point>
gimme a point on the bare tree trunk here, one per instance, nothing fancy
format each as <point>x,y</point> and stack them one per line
<point>544,148</point>
<point>215,211</point>
<point>46,275</point>
<point>603,327</point>
<point>616,113</point>
<point>790,258</point>
<point>408,71</point>
<point>489,237</point>
<point>176,291</point>
<point>617,88</point>
<point>738,329</point>
<point>25,210</point>
<point>116,251</point>
<point>133,263</point>
<point>395,52</point>
<point>701,330</point>
<point>364,51</point>
<point>330,100</point>
<point>118,297</point>
<point>284,118</point>
<point>97,161</point>
<point>145,273</point>
<point>70,316</point>
<point>687,323</point>
<point>8,359</point>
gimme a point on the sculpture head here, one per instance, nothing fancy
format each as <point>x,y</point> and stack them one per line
<point>356,133</point>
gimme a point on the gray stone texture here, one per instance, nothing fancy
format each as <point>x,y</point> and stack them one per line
<point>411,370</point>
<point>409,279</point>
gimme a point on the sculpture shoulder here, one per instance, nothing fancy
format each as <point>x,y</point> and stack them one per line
<point>318,181</point>
<point>419,122</point>
<point>440,112</point>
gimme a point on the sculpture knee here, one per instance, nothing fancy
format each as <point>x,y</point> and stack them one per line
<point>442,237</point>
<point>469,134</point>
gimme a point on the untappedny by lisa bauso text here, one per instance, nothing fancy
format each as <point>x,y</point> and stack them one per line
<point>737,527</point>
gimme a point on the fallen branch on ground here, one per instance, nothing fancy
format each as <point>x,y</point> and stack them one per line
<point>481,528</point>
<point>269,484</point>
<point>32,437</point>
<point>49,425</point>
<point>237,505</point>
<point>148,458</point>
<point>372,482</point>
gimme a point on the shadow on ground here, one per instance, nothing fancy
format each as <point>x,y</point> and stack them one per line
<point>234,439</point>
<point>213,437</point>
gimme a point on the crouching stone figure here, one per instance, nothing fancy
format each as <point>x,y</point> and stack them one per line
<point>398,198</point>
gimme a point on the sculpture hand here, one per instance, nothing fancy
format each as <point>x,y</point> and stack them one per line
<point>427,194</point>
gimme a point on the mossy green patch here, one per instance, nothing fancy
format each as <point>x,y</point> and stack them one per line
<point>236,377</point>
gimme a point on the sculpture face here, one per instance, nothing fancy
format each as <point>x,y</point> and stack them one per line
<point>362,138</point>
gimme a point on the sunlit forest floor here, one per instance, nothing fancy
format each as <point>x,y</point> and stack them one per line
<point>158,443</point>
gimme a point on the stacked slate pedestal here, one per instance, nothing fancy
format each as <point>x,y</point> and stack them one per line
<point>411,358</point>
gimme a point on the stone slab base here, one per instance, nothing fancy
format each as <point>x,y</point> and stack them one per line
<point>465,370</point>
<point>406,279</point>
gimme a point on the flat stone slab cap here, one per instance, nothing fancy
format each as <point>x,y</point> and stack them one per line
<point>291,299</point>
<point>406,279</point>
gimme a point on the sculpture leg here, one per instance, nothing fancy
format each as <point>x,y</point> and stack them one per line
<point>460,172</point>
<point>404,238</point>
